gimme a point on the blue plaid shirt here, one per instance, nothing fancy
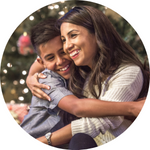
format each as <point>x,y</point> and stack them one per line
<point>43,115</point>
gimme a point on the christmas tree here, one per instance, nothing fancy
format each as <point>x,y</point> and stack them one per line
<point>18,54</point>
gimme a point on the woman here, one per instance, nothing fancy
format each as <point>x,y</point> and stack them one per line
<point>111,70</point>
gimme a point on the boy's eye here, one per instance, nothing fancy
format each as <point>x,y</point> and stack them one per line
<point>50,58</point>
<point>62,52</point>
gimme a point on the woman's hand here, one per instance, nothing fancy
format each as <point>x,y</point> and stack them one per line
<point>137,106</point>
<point>35,86</point>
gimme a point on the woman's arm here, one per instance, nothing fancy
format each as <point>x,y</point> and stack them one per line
<point>59,137</point>
<point>35,67</point>
<point>32,81</point>
<point>84,107</point>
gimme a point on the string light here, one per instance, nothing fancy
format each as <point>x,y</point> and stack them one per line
<point>15,82</point>
<point>22,81</point>
<point>13,49</point>
<point>21,98</point>
<point>50,7</point>
<point>24,33</point>
<point>12,102</point>
<point>5,71</point>
<point>61,13</point>
<point>26,90</point>
<point>24,72</point>
<point>9,65</point>
<point>31,18</point>
<point>56,6</point>
<point>62,1</point>
<point>3,83</point>
<point>13,91</point>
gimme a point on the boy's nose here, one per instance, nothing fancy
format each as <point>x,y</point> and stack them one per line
<point>59,61</point>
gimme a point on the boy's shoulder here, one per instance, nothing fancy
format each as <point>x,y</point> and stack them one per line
<point>51,73</point>
<point>53,78</point>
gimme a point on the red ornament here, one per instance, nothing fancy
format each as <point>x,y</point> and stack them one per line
<point>24,45</point>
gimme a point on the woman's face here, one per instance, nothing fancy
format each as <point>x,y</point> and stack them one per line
<point>79,44</point>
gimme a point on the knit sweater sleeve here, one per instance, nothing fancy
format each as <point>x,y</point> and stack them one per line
<point>125,85</point>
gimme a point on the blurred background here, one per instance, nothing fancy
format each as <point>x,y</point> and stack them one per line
<point>19,55</point>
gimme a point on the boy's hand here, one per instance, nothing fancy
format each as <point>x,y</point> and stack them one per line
<point>35,86</point>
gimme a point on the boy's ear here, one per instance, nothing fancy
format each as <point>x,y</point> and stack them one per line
<point>39,60</point>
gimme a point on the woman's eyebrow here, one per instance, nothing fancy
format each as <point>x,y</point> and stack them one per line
<point>71,31</point>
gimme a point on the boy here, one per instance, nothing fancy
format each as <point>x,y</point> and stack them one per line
<point>44,116</point>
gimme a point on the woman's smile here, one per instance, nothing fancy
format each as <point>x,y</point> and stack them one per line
<point>73,54</point>
<point>79,43</point>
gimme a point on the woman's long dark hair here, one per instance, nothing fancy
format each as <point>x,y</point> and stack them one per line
<point>112,51</point>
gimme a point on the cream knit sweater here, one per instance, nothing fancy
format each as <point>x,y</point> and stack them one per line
<point>124,85</point>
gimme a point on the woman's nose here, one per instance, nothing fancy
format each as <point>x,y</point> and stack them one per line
<point>68,46</point>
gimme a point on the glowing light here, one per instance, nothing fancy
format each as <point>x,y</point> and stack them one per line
<point>56,6</point>
<point>24,72</point>
<point>9,65</point>
<point>31,18</point>
<point>50,7</point>
<point>13,49</point>
<point>22,81</point>
<point>25,33</point>
<point>15,82</point>
<point>61,13</point>
<point>13,91</point>
<point>3,83</point>
<point>5,71</point>
<point>62,1</point>
<point>26,90</point>
<point>21,98</point>
<point>12,102</point>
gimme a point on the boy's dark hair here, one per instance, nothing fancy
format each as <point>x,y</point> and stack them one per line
<point>43,32</point>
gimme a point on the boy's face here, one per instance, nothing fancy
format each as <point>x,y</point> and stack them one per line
<point>54,58</point>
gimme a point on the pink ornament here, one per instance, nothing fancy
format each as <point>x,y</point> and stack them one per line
<point>24,41</point>
<point>24,45</point>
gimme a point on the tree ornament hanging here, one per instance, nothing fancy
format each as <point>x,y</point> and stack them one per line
<point>24,45</point>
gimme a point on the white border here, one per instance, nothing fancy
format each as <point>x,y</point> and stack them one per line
<point>136,12</point>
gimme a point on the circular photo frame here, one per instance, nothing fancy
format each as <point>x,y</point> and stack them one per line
<point>21,52</point>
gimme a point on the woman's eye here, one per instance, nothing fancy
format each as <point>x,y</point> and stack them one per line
<point>63,40</point>
<point>73,35</point>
